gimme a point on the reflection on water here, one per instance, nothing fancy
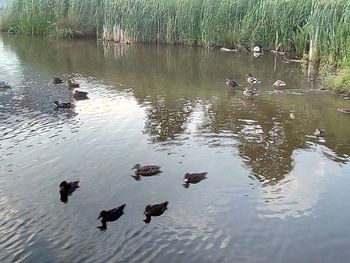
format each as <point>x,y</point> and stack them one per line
<point>276,192</point>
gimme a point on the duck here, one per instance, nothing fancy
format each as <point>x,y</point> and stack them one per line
<point>56,81</point>
<point>4,85</point>
<point>252,80</point>
<point>256,54</point>
<point>279,84</point>
<point>146,170</point>
<point>154,210</point>
<point>67,188</point>
<point>80,95</point>
<point>193,178</point>
<point>257,49</point>
<point>65,105</point>
<point>110,216</point>
<point>342,110</point>
<point>70,84</point>
<point>232,83</point>
<point>319,132</point>
<point>249,93</point>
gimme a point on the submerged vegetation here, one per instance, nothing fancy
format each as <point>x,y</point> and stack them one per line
<point>317,27</point>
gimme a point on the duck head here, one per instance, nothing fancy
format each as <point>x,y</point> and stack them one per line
<point>320,132</point>
<point>147,220</point>
<point>64,197</point>
<point>249,75</point>
<point>137,177</point>
<point>186,184</point>
<point>64,186</point>
<point>137,166</point>
<point>102,215</point>
<point>103,227</point>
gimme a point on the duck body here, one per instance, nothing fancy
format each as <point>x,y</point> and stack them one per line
<point>80,95</point>
<point>249,93</point>
<point>252,80</point>
<point>110,216</point>
<point>193,178</point>
<point>66,189</point>
<point>69,187</point>
<point>345,111</point>
<point>147,170</point>
<point>319,132</point>
<point>232,83</point>
<point>56,81</point>
<point>279,84</point>
<point>4,85</point>
<point>64,105</point>
<point>70,84</point>
<point>113,214</point>
<point>155,210</point>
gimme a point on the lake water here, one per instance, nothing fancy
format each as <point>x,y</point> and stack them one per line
<point>274,192</point>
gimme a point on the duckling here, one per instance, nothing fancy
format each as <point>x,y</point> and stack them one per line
<point>110,216</point>
<point>146,170</point>
<point>4,85</point>
<point>154,210</point>
<point>65,105</point>
<point>67,188</point>
<point>249,93</point>
<point>56,81</point>
<point>193,178</point>
<point>70,84</point>
<point>252,80</point>
<point>319,132</point>
<point>279,84</point>
<point>80,95</point>
<point>232,83</point>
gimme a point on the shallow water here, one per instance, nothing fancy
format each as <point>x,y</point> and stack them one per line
<point>274,192</point>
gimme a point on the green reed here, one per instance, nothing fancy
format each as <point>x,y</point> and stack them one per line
<point>286,25</point>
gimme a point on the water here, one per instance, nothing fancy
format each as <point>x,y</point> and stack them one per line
<point>274,192</point>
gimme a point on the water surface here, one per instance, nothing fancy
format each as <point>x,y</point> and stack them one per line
<point>274,192</point>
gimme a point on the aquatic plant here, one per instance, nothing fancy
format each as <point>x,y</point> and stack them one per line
<point>316,26</point>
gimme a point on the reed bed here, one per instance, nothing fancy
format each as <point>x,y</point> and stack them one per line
<point>319,26</point>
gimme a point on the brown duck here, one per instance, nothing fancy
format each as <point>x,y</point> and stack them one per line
<point>193,178</point>
<point>80,95</point>
<point>70,84</point>
<point>56,81</point>
<point>154,210</point>
<point>146,170</point>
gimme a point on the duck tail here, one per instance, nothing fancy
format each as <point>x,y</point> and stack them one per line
<point>122,207</point>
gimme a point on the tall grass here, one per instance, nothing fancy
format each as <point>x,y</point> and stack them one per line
<point>287,25</point>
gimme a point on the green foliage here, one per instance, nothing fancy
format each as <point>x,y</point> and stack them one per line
<point>288,25</point>
<point>340,82</point>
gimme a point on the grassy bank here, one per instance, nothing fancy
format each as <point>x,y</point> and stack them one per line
<point>317,27</point>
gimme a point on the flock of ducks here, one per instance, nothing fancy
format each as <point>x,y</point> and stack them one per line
<point>277,85</point>
<point>251,91</point>
<point>77,94</point>
<point>67,188</point>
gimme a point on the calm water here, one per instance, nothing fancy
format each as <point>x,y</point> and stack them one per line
<point>274,192</point>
